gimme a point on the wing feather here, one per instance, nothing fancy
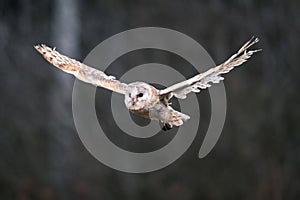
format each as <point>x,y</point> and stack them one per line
<point>79,70</point>
<point>213,75</point>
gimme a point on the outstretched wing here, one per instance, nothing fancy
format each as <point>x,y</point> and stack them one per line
<point>213,75</point>
<point>81,71</point>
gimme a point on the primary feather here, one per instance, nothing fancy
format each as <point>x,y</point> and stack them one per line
<point>79,70</point>
<point>204,80</point>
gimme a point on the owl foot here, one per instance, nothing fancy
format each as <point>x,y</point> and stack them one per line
<point>166,127</point>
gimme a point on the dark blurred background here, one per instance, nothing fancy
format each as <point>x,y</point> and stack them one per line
<point>258,154</point>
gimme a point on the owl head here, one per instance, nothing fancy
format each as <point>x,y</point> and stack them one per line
<point>138,95</point>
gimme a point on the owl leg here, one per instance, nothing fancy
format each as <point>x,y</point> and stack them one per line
<point>165,126</point>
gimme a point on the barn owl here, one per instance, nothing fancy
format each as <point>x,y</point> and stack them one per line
<point>142,98</point>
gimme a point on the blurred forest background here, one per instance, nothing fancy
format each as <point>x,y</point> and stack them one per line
<point>258,154</point>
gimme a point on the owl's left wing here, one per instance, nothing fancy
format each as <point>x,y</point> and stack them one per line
<point>213,75</point>
<point>81,71</point>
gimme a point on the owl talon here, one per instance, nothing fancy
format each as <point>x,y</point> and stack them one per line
<point>166,127</point>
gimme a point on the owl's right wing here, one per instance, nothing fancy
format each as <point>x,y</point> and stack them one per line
<point>79,70</point>
<point>213,75</point>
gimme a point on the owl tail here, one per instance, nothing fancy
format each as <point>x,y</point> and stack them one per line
<point>175,119</point>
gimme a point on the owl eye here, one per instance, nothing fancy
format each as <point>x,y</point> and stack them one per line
<point>140,95</point>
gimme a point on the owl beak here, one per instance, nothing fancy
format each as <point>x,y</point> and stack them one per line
<point>133,101</point>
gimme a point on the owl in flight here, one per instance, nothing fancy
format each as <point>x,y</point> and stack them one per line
<point>142,98</point>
